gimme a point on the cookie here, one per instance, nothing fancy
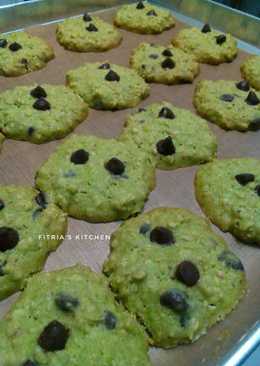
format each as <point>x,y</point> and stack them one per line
<point>250,70</point>
<point>170,269</point>
<point>170,135</point>
<point>142,17</point>
<point>229,193</point>
<point>207,45</point>
<point>40,113</point>
<point>98,180</point>
<point>21,53</point>
<point>108,86</point>
<point>232,105</point>
<point>27,222</point>
<point>165,65</point>
<point>70,317</point>
<point>87,33</point>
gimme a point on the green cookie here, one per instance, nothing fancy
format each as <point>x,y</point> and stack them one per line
<point>250,71</point>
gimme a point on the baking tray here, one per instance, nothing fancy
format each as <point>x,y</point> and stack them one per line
<point>89,243</point>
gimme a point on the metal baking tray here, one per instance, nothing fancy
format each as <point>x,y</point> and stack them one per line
<point>231,341</point>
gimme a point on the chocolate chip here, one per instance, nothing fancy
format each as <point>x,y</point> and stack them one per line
<point>15,47</point>
<point>2,264</point>
<point>206,28</point>
<point>166,147</point>
<point>231,260</point>
<point>221,39</point>
<point>166,113</point>
<point>2,205</point>
<point>38,92</point>
<point>245,178</point>
<point>243,85</point>
<point>112,76</point>
<point>254,125</point>
<point>168,63</point>
<point>227,97</point>
<point>153,56</point>
<point>140,110</point>
<point>30,131</point>
<point>3,43</point>
<point>80,156</point>
<point>105,66</point>
<point>115,166</point>
<point>29,363</point>
<point>24,61</point>
<point>41,200</point>
<point>144,228</point>
<point>151,13</point>
<point>87,17</point>
<point>92,28</point>
<point>66,302</point>
<point>187,273</point>
<point>257,190</point>
<point>9,238</point>
<point>54,337</point>
<point>41,104</point>
<point>167,53</point>
<point>174,299</point>
<point>110,320</point>
<point>162,235</point>
<point>140,5</point>
<point>252,98</point>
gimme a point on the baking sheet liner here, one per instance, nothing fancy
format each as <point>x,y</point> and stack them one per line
<point>20,160</point>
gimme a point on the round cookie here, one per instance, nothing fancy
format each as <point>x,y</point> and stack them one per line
<point>170,269</point>
<point>21,53</point>
<point>232,105</point>
<point>170,135</point>
<point>70,317</point>
<point>40,113</point>
<point>98,180</point>
<point>142,17</point>
<point>108,86</point>
<point>27,222</point>
<point>229,193</point>
<point>165,65</point>
<point>87,33</point>
<point>207,45</point>
<point>250,71</point>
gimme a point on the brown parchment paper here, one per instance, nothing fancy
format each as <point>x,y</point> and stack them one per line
<point>20,160</point>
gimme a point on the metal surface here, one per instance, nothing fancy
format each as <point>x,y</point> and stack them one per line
<point>20,160</point>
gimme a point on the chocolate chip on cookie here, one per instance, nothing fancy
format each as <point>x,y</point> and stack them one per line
<point>112,76</point>
<point>80,156</point>
<point>168,63</point>
<point>41,104</point>
<point>87,17</point>
<point>187,273</point>
<point>9,238</point>
<point>161,235</point>
<point>92,28</point>
<point>110,320</point>
<point>54,337</point>
<point>66,302</point>
<point>257,190</point>
<point>243,85</point>
<point>151,13</point>
<point>3,43</point>
<point>166,147</point>
<point>115,166</point>
<point>221,39</point>
<point>167,53</point>
<point>254,125</point>
<point>166,112</point>
<point>227,97</point>
<point>144,228</point>
<point>153,56</point>
<point>245,178</point>
<point>2,205</point>
<point>105,66</point>
<point>15,46</point>
<point>231,260</point>
<point>206,28</point>
<point>30,131</point>
<point>140,5</point>
<point>38,92</point>
<point>174,299</point>
<point>252,98</point>
<point>41,200</point>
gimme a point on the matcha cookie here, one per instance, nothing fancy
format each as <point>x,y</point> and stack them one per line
<point>87,33</point>
<point>207,45</point>
<point>70,317</point>
<point>165,65</point>
<point>21,53</point>
<point>170,269</point>
<point>98,180</point>
<point>27,221</point>
<point>108,86</point>
<point>40,113</point>
<point>170,135</point>
<point>232,105</point>
<point>229,193</point>
<point>250,71</point>
<point>142,17</point>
